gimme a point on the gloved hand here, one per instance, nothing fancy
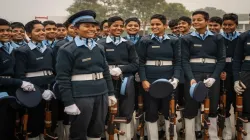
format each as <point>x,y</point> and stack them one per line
<point>209,82</point>
<point>72,110</point>
<point>112,100</point>
<point>137,77</point>
<point>116,72</point>
<point>47,95</point>
<point>239,87</point>
<point>174,82</point>
<point>27,86</point>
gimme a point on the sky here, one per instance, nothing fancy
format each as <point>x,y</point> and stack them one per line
<point>25,10</point>
<point>236,6</point>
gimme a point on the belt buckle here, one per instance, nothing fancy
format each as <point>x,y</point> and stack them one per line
<point>229,59</point>
<point>158,62</point>
<point>98,75</point>
<point>94,76</point>
<point>47,72</point>
<point>203,60</point>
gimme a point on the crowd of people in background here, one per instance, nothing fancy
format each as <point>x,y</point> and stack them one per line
<point>83,67</point>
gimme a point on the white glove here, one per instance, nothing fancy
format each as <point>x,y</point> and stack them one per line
<point>72,110</point>
<point>116,72</point>
<point>239,87</point>
<point>27,86</point>
<point>209,82</point>
<point>112,100</point>
<point>47,95</point>
<point>174,82</point>
<point>137,77</point>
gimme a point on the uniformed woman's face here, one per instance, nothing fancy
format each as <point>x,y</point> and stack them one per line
<point>5,33</point>
<point>132,28</point>
<point>86,30</point>
<point>214,27</point>
<point>157,27</point>
<point>105,30</point>
<point>18,34</point>
<point>51,32</point>
<point>116,28</point>
<point>98,31</point>
<point>183,26</point>
<point>61,33</point>
<point>71,31</point>
<point>229,26</point>
<point>37,33</point>
<point>199,22</point>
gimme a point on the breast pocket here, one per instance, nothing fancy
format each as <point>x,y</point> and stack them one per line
<point>34,60</point>
<point>246,47</point>
<point>110,53</point>
<point>154,49</point>
<point>196,48</point>
<point>83,62</point>
<point>4,62</point>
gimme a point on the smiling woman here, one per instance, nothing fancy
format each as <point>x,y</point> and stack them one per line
<point>84,80</point>
<point>5,33</point>
<point>38,33</point>
<point>123,62</point>
<point>34,62</point>
<point>158,26</point>
<point>50,30</point>
<point>116,27</point>
<point>17,31</point>
<point>86,30</point>
<point>132,26</point>
<point>202,43</point>
<point>159,58</point>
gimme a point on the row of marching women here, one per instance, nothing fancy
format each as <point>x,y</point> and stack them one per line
<point>82,80</point>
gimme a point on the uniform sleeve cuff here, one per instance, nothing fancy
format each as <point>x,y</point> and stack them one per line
<point>18,82</point>
<point>110,93</point>
<point>214,76</point>
<point>68,103</point>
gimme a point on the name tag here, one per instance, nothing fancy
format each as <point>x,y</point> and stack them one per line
<point>110,50</point>
<point>248,43</point>
<point>155,47</point>
<point>86,59</point>
<point>39,58</point>
<point>197,45</point>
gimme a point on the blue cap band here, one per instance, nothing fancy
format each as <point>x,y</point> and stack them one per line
<point>81,18</point>
<point>191,90</point>
<point>4,94</point>
<point>161,80</point>
<point>123,86</point>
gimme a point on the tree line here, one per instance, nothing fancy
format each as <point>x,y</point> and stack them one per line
<point>143,9</point>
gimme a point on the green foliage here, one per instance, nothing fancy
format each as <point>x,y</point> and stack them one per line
<point>213,11</point>
<point>79,5</point>
<point>176,10</point>
<point>143,9</point>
